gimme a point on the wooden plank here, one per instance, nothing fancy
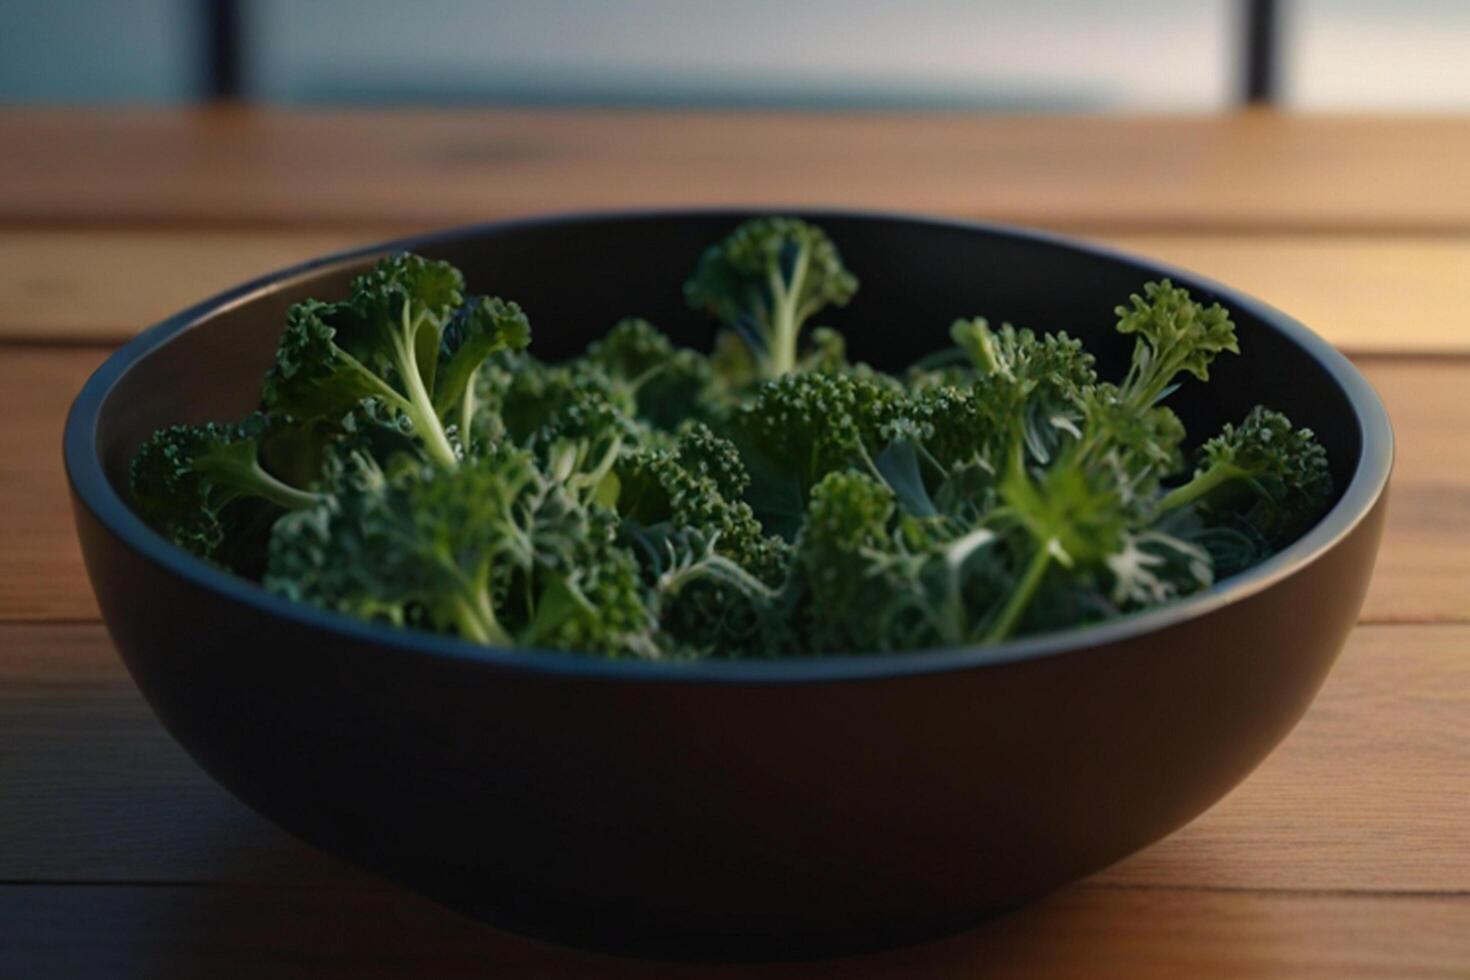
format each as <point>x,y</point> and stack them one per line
<point>104,286</point>
<point>1368,793</point>
<point>1366,294</point>
<point>1371,791</point>
<point>167,932</point>
<point>41,574</point>
<point>1420,577</point>
<point>1424,563</point>
<point>287,168</point>
<point>95,790</point>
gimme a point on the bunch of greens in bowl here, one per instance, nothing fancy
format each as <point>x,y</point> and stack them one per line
<point>413,463</point>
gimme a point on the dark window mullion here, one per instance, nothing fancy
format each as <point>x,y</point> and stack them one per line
<point>1260,51</point>
<point>221,54</point>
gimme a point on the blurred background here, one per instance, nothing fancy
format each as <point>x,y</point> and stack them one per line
<point>1038,56</point>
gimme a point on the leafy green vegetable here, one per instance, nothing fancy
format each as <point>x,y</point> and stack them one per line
<point>1282,468</point>
<point>1173,334</point>
<point>415,465</point>
<point>186,478</point>
<point>651,378</point>
<point>492,549</point>
<point>479,329</point>
<point>807,425</point>
<point>766,281</point>
<point>386,341</point>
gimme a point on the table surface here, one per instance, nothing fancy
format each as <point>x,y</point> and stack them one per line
<point>1346,854</point>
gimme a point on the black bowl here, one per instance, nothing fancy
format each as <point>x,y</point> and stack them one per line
<point>731,809</point>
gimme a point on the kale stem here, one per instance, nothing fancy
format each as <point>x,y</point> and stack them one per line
<point>647,375</point>
<point>467,412</point>
<point>476,620</point>
<point>1021,598</point>
<point>469,624</point>
<point>425,419</point>
<point>716,568</point>
<point>250,477</point>
<point>786,317</point>
<point>867,461</point>
<point>496,633</point>
<point>772,357</point>
<point>282,493</point>
<point>928,457</point>
<point>1198,487</point>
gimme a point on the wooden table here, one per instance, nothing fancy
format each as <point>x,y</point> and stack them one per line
<point>1346,854</point>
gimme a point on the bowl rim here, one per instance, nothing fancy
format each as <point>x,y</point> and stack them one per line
<point>90,486</point>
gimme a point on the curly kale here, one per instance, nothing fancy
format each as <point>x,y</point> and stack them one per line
<point>715,569</point>
<point>766,281</point>
<point>197,484</point>
<point>491,550</point>
<point>1173,334</point>
<point>1281,472</point>
<point>387,341</point>
<point>413,464</point>
<point>651,378</point>
<point>867,576</point>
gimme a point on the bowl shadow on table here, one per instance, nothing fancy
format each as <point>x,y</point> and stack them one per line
<point>325,918</point>
<point>374,930</point>
<point>329,919</point>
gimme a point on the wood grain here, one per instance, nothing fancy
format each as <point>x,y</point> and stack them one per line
<point>1421,574</point>
<point>41,574</point>
<point>95,790</point>
<point>171,932</point>
<point>1366,294</point>
<point>1369,793</point>
<point>241,167</point>
<point>74,286</point>
<point>1423,571</point>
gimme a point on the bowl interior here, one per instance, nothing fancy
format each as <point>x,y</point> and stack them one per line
<point>576,277</point>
